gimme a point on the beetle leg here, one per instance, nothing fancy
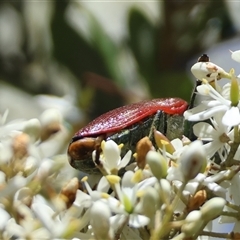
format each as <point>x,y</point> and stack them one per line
<point>159,122</point>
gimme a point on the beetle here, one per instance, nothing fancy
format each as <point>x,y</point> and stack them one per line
<point>127,125</point>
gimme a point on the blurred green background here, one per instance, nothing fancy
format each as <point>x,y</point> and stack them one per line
<point>97,56</point>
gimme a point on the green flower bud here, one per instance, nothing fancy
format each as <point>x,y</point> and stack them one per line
<point>149,204</point>
<point>212,208</point>
<point>234,90</point>
<point>193,223</point>
<point>157,163</point>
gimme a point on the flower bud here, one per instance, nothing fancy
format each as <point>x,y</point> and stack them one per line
<point>157,163</point>
<point>30,165</point>
<point>193,223</point>
<point>110,149</point>
<point>162,142</point>
<point>5,216</point>
<point>33,129</point>
<point>51,120</point>
<point>234,90</point>
<point>193,160</point>
<point>165,189</point>
<point>45,169</point>
<point>100,215</point>
<point>212,208</point>
<point>149,204</point>
<point>68,192</point>
<point>208,71</point>
<point>142,148</point>
<point>20,145</point>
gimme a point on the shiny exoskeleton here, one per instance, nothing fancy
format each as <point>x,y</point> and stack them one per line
<point>127,125</point>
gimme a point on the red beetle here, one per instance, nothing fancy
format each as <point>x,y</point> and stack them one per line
<point>127,125</point>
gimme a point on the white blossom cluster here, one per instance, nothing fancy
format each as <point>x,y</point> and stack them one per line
<point>172,191</point>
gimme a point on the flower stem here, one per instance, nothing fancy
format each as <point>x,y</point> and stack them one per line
<point>234,146</point>
<point>163,228</point>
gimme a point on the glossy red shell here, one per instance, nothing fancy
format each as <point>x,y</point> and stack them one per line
<point>125,116</point>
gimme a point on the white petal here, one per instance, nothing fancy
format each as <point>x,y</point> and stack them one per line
<point>103,185</point>
<point>137,220</point>
<point>14,184</point>
<point>177,143</point>
<point>204,131</point>
<point>207,113</point>
<point>231,117</point>
<point>4,218</point>
<point>212,147</point>
<point>217,189</point>
<point>236,56</point>
<point>111,153</point>
<point>117,220</point>
<point>126,179</point>
<point>126,159</point>
<point>234,188</point>
<point>13,229</point>
<point>194,110</point>
<point>115,205</point>
<point>44,214</point>
<point>147,182</point>
<point>215,103</point>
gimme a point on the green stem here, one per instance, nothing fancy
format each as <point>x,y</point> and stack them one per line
<point>234,146</point>
<point>163,228</point>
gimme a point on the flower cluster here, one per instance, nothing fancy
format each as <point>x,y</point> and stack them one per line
<point>173,190</point>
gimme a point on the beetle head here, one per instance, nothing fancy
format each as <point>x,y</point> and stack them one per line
<point>80,154</point>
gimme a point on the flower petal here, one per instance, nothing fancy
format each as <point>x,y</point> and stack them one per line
<point>231,117</point>
<point>126,159</point>
<point>236,56</point>
<point>204,131</point>
<point>136,220</point>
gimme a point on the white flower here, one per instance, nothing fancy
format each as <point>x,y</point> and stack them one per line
<point>59,226</point>
<point>111,158</point>
<point>27,228</point>
<point>126,208</point>
<point>216,134</point>
<point>208,109</point>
